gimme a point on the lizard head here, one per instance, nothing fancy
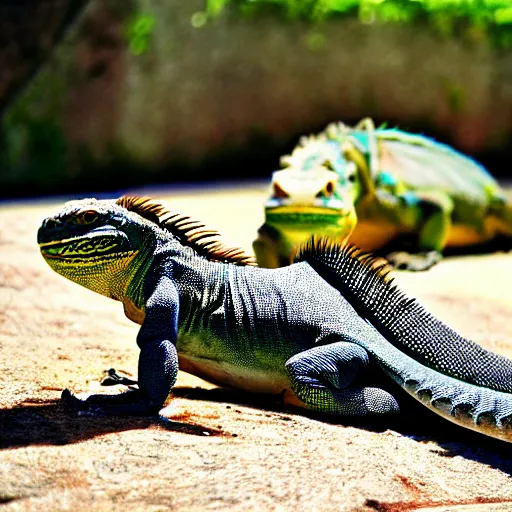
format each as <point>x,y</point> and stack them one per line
<point>316,174</point>
<point>92,242</point>
<point>315,191</point>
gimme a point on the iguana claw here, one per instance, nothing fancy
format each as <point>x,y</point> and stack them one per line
<point>128,403</point>
<point>414,261</point>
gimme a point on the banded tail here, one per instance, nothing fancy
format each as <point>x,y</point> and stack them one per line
<point>448,373</point>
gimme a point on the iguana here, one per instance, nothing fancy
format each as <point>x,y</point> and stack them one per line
<point>313,332</point>
<point>383,188</point>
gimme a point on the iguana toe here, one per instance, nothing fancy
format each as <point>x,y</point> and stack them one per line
<point>414,262</point>
<point>115,379</point>
<point>72,402</point>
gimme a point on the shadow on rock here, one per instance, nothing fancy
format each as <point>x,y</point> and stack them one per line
<point>417,423</point>
<point>50,423</point>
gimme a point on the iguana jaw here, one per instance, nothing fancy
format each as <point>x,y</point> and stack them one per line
<point>286,228</point>
<point>94,247</point>
<point>99,259</point>
<point>295,224</point>
<point>305,214</point>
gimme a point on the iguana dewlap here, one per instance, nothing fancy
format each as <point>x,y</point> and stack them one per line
<point>379,188</point>
<point>315,332</point>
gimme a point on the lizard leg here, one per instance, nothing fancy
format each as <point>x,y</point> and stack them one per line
<point>501,210</point>
<point>158,361</point>
<point>157,365</point>
<point>322,375</point>
<point>431,213</point>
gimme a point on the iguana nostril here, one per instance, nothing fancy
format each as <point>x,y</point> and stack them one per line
<point>50,224</point>
<point>278,191</point>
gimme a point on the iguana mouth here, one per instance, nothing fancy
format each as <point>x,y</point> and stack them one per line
<point>90,248</point>
<point>331,207</point>
<point>300,215</point>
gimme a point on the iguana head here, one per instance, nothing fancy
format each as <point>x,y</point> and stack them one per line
<point>316,174</point>
<point>94,242</point>
<point>315,192</point>
<point>107,245</point>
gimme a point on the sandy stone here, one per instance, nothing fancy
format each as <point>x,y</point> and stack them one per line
<point>224,450</point>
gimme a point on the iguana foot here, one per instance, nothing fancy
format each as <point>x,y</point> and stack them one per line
<point>415,262</point>
<point>130,403</point>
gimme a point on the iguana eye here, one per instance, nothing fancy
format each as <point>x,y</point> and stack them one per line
<point>328,165</point>
<point>327,191</point>
<point>85,217</point>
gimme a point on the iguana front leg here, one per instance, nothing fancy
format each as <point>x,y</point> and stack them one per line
<point>328,379</point>
<point>158,361</point>
<point>429,214</point>
<point>270,249</point>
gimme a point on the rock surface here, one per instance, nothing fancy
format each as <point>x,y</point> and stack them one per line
<point>228,451</point>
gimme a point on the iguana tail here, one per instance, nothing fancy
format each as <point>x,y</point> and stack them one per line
<point>453,376</point>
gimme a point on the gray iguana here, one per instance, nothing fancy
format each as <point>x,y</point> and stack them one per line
<point>314,332</point>
<point>381,187</point>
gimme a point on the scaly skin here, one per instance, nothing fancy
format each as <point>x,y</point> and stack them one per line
<point>381,187</point>
<point>315,332</point>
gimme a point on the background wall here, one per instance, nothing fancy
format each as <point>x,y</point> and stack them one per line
<point>146,91</point>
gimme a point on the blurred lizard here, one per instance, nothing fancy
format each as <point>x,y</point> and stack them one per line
<point>381,188</point>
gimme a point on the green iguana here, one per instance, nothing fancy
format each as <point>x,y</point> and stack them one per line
<point>382,188</point>
<point>314,332</point>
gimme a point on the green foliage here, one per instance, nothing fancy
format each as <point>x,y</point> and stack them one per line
<point>474,19</point>
<point>139,32</point>
<point>503,16</point>
<point>199,19</point>
<point>213,7</point>
<point>34,152</point>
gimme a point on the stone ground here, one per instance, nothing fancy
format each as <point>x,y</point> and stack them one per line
<point>229,451</point>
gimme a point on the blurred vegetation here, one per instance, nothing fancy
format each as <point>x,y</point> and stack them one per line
<point>145,91</point>
<point>28,32</point>
<point>31,142</point>
<point>138,33</point>
<point>474,19</point>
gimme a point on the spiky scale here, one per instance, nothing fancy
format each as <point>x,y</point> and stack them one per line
<point>403,321</point>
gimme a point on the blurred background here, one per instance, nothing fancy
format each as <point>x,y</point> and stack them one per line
<point>99,95</point>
